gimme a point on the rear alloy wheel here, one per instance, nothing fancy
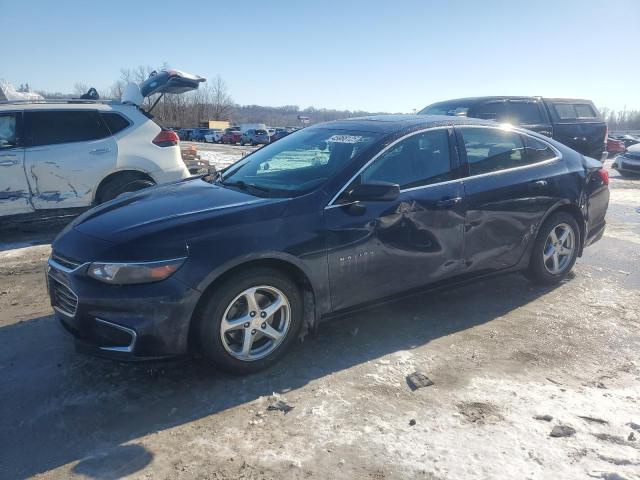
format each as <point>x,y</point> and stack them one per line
<point>555,249</point>
<point>120,184</point>
<point>250,320</point>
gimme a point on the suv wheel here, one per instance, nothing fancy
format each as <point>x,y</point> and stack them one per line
<point>555,250</point>
<point>249,322</point>
<point>123,183</point>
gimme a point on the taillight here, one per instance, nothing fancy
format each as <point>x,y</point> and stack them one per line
<point>604,176</point>
<point>166,138</point>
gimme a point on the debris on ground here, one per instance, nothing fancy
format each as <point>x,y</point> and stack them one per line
<point>593,419</point>
<point>280,406</point>
<point>631,437</point>
<point>418,380</point>
<point>562,431</point>
<point>635,426</point>
<point>545,418</point>
<point>412,422</point>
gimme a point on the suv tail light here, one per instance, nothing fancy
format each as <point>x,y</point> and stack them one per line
<point>166,138</point>
<point>604,176</point>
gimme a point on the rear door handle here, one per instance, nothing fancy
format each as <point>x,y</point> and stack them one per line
<point>100,151</point>
<point>448,202</point>
<point>539,184</point>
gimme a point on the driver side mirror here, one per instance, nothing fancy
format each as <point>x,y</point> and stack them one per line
<point>374,192</point>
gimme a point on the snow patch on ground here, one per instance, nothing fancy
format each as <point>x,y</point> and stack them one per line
<point>219,160</point>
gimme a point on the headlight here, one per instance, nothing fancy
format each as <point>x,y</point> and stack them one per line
<point>130,273</point>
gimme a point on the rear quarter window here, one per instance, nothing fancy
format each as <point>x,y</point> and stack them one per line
<point>115,122</point>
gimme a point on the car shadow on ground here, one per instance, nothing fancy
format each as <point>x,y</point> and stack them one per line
<point>60,407</point>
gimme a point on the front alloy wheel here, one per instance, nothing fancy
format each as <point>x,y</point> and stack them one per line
<point>250,319</point>
<point>255,323</point>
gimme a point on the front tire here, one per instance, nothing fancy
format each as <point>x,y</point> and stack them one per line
<point>555,249</point>
<point>250,321</point>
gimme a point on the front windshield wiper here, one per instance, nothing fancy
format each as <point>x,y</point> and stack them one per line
<point>245,186</point>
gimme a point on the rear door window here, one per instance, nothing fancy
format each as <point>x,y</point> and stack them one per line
<point>421,159</point>
<point>522,113</point>
<point>491,111</point>
<point>55,126</point>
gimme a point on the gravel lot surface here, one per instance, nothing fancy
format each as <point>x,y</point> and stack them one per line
<point>510,364</point>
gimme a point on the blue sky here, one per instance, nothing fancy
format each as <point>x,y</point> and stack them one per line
<point>372,55</point>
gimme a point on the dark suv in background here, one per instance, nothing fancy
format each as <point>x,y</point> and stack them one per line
<point>573,122</point>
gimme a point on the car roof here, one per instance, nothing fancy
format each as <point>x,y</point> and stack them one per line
<point>396,123</point>
<point>64,104</point>
<point>509,97</point>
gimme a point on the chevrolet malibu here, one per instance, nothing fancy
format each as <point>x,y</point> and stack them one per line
<point>333,217</point>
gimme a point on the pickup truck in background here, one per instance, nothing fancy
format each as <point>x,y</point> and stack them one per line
<point>573,122</point>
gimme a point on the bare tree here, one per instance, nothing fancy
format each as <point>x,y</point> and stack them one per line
<point>221,101</point>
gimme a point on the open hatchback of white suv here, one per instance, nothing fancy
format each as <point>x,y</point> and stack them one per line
<point>69,153</point>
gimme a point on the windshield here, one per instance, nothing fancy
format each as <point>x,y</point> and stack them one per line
<point>299,162</point>
<point>454,108</point>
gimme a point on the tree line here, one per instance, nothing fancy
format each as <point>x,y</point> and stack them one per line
<point>621,120</point>
<point>212,101</point>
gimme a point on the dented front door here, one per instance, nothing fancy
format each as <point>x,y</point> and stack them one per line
<point>68,153</point>
<point>14,189</point>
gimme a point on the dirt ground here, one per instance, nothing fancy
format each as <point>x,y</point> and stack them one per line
<point>500,353</point>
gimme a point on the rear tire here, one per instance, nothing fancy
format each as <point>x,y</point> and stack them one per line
<point>223,342</point>
<point>122,183</point>
<point>555,249</point>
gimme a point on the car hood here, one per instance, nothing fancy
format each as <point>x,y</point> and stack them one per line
<point>175,211</point>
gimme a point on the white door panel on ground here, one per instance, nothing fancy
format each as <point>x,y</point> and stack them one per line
<point>66,175</point>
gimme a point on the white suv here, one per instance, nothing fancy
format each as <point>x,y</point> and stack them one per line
<point>78,153</point>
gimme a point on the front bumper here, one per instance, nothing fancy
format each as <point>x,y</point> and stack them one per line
<point>124,322</point>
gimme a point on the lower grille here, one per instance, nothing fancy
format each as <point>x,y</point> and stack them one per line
<point>64,300</point>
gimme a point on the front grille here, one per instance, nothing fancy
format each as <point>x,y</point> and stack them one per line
<point>63,298</point>
<point>65,261</point>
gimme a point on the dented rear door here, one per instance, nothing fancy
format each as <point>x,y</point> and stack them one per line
<point>68,153</point>
<point>14,189</point>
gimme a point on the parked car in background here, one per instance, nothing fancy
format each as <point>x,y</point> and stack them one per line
<point>573,122</point>
<point>628,163</point>
<point>255,137</point>
<point>73,153</point>
<point>197,134</point>
<point>213,135</point>
<point>231,135</point>
<point>380,206</point>
<point>614,147</point>
<point>627,139</point>
<point>279,133</point>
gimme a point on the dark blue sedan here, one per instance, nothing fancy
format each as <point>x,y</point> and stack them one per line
<point>330,218</point>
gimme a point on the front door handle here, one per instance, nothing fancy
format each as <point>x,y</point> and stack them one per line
<point>100,151</point>
<point>448,202</point>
